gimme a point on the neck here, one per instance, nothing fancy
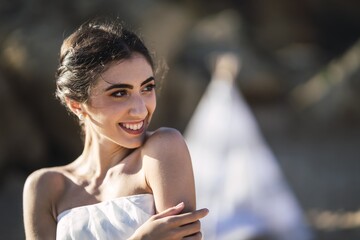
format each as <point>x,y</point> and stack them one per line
<point>99,155</point>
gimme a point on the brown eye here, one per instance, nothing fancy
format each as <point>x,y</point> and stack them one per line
<point>149,88</point>
<point>120,93</point>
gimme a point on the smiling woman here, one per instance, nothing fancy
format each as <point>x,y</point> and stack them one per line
<point>128,183</point>
<point>122,102</point>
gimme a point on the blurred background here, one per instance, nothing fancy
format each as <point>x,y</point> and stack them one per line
<point>300,70</point>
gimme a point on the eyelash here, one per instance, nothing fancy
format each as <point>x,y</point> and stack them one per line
<point>123,93</point>
<point>150,87</point>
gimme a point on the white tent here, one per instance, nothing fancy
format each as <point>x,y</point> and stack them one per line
<point>237,176</point>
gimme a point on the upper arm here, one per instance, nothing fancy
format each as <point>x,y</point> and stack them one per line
<point>168,170</point>
<point>39,219</point>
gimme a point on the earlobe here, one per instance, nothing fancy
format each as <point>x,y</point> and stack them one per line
<point>75,107</point>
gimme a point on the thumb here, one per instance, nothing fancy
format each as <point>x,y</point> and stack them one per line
<point>170,211</point>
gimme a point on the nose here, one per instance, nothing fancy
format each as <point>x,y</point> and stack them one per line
<point>138,107</point>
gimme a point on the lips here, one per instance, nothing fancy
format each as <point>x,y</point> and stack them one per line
<point>134,128</point>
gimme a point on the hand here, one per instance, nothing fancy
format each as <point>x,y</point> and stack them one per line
<point>167,225</point>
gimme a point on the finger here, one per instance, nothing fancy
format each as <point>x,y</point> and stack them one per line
<point>186,218</point>
<point>170,211</point>
<point>196,236</point>
<point>191,228</point>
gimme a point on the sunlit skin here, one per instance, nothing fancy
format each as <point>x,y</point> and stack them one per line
<point>123,98</point>
<point>120,158</point>
<point>124,94</point>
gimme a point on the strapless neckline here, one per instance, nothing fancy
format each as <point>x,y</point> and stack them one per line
<point>60,215</point>
<point>116,218</point>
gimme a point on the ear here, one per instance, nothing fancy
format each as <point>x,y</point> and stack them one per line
<point>74,106</point>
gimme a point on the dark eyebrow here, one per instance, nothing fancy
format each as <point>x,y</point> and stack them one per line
<point>123,85</point>
<point>147,80</point>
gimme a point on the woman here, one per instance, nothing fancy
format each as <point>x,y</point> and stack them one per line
<point>128,183</point>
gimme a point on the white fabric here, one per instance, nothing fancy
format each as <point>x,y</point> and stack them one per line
<point>236,174</point>
<point>114,219</point>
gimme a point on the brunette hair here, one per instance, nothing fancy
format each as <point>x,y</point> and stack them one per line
<point>87,53</point>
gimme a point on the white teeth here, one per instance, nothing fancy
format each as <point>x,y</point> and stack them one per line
<point>136,126</point>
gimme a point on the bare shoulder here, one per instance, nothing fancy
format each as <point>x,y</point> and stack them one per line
<point>168,169</point>
<point>165,139</point>
<point>44,187</point>
<point>42,190</point>
<point>45,180</point>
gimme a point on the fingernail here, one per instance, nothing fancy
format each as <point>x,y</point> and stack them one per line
<point>180,205</point>
<point>205,210</point>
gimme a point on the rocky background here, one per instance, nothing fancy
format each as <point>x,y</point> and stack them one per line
<point>300,75</point>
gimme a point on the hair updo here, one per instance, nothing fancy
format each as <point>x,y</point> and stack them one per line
<point>87,53</point>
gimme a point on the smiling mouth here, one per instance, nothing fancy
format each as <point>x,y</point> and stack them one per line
<point>133,128</point>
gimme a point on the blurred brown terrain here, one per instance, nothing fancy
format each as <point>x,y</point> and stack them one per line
<point>300,75</point>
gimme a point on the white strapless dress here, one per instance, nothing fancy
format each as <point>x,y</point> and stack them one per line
<point>114,219</point>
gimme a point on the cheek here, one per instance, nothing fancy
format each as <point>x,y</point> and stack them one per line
<point>109,113</point>
<point>152,104</point>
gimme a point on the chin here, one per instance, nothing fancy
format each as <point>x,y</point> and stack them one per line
<point>135,144</point>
